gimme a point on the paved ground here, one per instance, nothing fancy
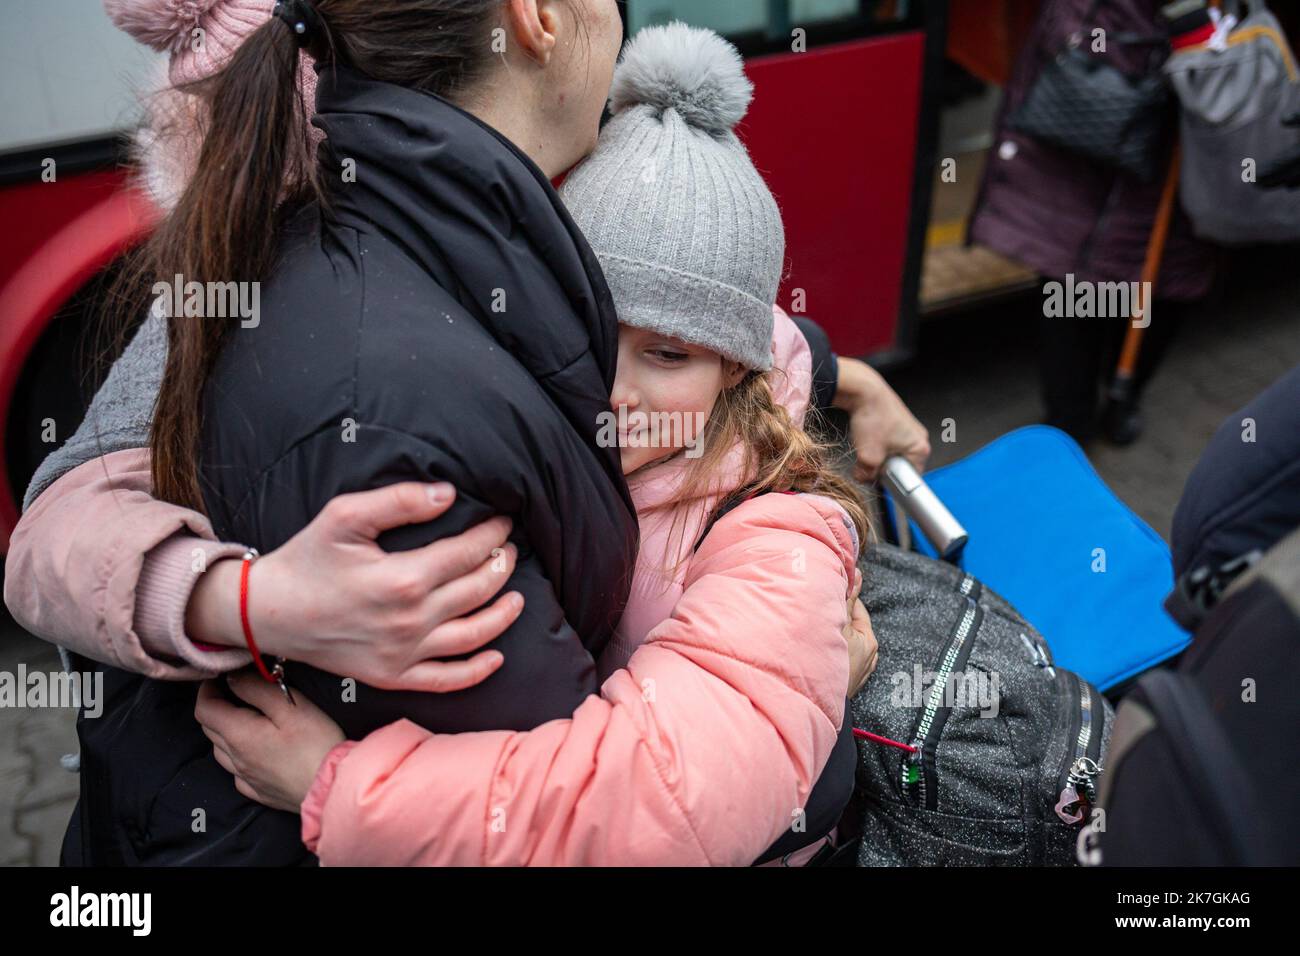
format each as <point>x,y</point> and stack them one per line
<point>36,793</point>
<point>978,368</point>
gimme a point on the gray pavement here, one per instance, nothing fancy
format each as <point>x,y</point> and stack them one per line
<point>978,368</point>
<point>36,793</point>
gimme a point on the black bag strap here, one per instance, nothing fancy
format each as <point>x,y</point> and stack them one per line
<point>1199,742</point>
<point>724,508</point>
<point>1197,592</point>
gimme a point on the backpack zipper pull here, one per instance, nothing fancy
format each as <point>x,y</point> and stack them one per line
<point>1067,808</point>
<point>1038,656</point>
<point>1080,792</point>
<point>912,774</point>
<point>1082,774</point>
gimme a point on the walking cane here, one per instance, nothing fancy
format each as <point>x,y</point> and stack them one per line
<point>1122,386</point>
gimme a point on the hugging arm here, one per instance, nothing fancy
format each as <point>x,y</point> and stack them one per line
<point>547,667</point>
<point>88,554</point>
<point>102,568</point>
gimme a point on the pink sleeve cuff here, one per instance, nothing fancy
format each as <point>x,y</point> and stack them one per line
<point>313,805</point>
<point>167,580</point>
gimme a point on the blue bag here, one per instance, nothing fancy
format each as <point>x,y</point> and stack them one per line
<point>1048,535</point>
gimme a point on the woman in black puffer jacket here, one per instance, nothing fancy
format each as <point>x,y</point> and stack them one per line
<point>437,316</point>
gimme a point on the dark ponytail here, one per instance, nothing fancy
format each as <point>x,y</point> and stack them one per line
<point>221,230</point>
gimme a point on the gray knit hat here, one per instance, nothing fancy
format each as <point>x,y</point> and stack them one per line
<point>687,233</point>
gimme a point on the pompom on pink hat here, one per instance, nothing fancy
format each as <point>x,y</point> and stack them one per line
<point>200,36</point>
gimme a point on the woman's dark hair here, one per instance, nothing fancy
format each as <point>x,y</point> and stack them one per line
<point>253,167</point>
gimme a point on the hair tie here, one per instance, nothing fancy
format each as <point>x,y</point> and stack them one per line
<point>302,19</point>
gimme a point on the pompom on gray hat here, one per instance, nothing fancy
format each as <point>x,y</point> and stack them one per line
<point>686,231</point>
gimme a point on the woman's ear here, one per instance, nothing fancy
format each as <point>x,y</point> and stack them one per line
<point>531,24</point>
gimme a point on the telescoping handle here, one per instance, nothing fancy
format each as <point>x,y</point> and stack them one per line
<point>922,505</point>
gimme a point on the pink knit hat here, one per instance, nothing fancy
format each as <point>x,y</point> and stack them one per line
<point>168,146</point>
<point>169,27</point>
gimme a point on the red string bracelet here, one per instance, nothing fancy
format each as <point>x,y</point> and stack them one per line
<point>876,738</point>
<point>276,675</point>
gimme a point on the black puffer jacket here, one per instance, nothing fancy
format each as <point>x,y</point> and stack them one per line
<point>442,320</point>
<point>1243,496</point>
<point>1244,493</point>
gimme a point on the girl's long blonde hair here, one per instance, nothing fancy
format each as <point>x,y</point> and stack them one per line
<point>779,455</point>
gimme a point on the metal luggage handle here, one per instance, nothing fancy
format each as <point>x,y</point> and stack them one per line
<point>944,532</point>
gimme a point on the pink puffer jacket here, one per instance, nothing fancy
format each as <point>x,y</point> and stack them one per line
<point>724,697</point>
<point>104,569</point>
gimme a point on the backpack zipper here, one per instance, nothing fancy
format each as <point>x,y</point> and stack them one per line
<point>1038,654</point>
<point>1078,772</point>
<point>918,772</point>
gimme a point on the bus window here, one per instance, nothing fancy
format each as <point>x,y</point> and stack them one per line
<point>728,17</point>
<point>765,25</point>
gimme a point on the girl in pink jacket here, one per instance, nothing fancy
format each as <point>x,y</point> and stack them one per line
<point>726,681</point>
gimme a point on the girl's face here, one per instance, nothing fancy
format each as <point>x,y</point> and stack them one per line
<point>663,395</point>
<point>590,34</point>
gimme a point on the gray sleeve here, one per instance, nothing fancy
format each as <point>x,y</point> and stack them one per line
<point>121,412</point>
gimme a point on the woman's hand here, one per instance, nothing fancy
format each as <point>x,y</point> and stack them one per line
<point>861,639</point>
<point>879,422</point>
<point>333,598</point>
<point>273,751</point>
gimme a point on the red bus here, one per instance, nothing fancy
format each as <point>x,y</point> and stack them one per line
<point>844,125</point>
